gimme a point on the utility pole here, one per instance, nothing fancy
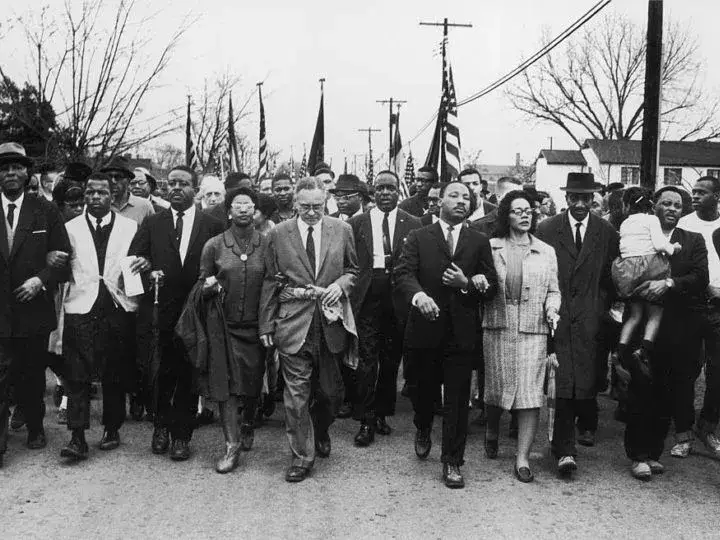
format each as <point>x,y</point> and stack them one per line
<point>650,155</point>
<point>370,131</point>
<point>390,101</point>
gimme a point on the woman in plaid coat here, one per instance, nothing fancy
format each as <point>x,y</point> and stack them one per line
<point>516,325</point>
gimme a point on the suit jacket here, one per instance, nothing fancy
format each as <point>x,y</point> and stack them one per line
<point>689,272</point>
<point>82,290</point>
<point>155,240</point>
<point>424,259</point>
<point>486,224</point>
<point>415,206</point>
<point>540,292</point>
<point>39,230</point>
<point>219,213</point>
<point>362,230</point>
<point>584,278</point>
<point>426,220</point>
<point>289,321</point>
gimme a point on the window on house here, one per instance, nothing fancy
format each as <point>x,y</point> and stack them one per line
<point>673,176</point>
<point>714,172</point>
<point>630,176</point>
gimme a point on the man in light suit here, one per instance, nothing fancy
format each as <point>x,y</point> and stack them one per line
<point>379,238</point>
<point>98,317</point>
<point>319,251</point>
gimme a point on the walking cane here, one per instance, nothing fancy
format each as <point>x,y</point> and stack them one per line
<point>552,364</point>
<point>154,355</point>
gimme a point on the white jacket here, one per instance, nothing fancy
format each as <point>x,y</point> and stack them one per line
<point>83,286</point>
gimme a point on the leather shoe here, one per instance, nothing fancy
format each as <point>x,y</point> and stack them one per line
<point>322,447</point>
<point>76,449</point>
<point>295,473</point>
<point>160,441</point>
<point>110,440</point>
<point>229,461</point>
<point>180,450</point>
<point>586,438</point>
<point>452,476</point>
<point>491,448</point>
<point>17,420</point>
<point>247,436</point>
<point>423,443</point>
<point>381,426</point>
<point>365,436</point>
<point>37,440</point>
<point>345,410</point>
<point>524,474</point>
<point>567,465</point>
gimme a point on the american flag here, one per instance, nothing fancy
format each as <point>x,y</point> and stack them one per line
<point>262,168</point>
<point>397,157</point>
<point>408,179</point>
<point>303,166</point>
<point>452,132</point>
<point>370,171</point>
<point>191,157</point>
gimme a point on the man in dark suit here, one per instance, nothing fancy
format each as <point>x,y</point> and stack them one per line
<point>585,246</point>
<point>416,205</point>
<point>379,237</point>
<point>676,360</point>
<point>31,234</point>
<point>443,272</point>
<point>171,242</point>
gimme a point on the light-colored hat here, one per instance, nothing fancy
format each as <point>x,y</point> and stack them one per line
<point>12,152</point>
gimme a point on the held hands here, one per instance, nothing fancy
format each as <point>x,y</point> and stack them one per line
<point>480,282</point>
<point>331,295</point>
<point>57,259</point>
<point>552,318</point>
<point>28,290</point>
<point>651,290</point>
<point>267,340</point>
<point>454,277</point>
<point>427,306</point>
<point>140,264</point>
<point>677,246</point>
<point>211,286</point>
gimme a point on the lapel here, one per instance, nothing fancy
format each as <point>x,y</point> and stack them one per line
<point>115,250</point>
<point>193,232</point>
<point>399,233</point>
<point>437,232</point>
<point>460,241</point>
<point>366,233</point>
<point>590,242</point>
<point>24,226</point>
<point>168,218</point>
<point>85,238</point>
<point>565,236</point>
<point>498,248</point>
<point>324,243</point>
<point>297,243</point>
<point>230,242</point>
<point>4,248</point>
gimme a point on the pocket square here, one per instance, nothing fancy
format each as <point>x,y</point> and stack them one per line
<point>41,231</point>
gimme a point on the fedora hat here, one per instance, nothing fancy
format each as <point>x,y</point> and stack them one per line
<point>12,152</point>
<point>348,183</point>
<point>118,163</point>
<point>580,183</point>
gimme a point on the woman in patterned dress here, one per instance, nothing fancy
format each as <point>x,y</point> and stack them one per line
<point>516,325</point>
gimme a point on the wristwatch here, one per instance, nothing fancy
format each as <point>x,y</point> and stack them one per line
<point>669,283</point>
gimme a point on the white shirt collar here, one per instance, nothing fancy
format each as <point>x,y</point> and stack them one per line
<point>574,221</point>
<point>105,220</point>
<point>7,202</point>
<point>304,226</point>
<point>392,214</point>
<point>187,213</point>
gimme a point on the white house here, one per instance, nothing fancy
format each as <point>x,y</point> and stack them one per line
<point>681,163</point>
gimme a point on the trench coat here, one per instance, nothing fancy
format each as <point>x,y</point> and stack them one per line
<point>586,289</point>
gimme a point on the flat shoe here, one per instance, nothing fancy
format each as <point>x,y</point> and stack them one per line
<point>524,474</point>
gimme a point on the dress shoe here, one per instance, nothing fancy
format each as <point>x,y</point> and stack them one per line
<point>524,474</point>
<point>17,420</point>
<point>58,395</point>
<point>180,451</point>
<point>345,410</point>
<point>62,416</point>
<point>681,449</point>
<point>229,461</point>
<point>423,443</point>
<point>76,449</point>
<point>381,426</point>
<point>491,448</point>
<point>110,440</point>
<point>160,440</point>
<point>452,476</point>
<point>655,466</point>
<point>205,418</point>
<point>323,447</point>
<point>641,470</point>
<point>296,473</point>
<point>709,439</point>
<point>136,408</point>
<point>586,438</point>
<point>365,435</point>
<point>36,439</point>
<point>567,465</point>
<point>247,436</point>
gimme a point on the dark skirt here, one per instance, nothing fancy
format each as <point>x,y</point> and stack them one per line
<point>630,272</point>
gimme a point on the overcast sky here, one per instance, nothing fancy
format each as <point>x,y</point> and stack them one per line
<point>374,49</point>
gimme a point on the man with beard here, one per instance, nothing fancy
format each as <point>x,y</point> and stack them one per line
<point>585,246</point>
<point>282,190</point>
<point>124,202</point>
<point>144,186</point>
<point>98,323</point>
<point>444,271</point>
<point>31,233</point>
<point>416,205</point>
<point>379,238</point>
<point>171,242</point>
<point>676,359</point>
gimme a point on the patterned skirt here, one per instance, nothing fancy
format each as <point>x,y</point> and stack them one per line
<point>514,365</point>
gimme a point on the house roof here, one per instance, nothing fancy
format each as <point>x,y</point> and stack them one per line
<point>678,153</point>
<point>563,157</point>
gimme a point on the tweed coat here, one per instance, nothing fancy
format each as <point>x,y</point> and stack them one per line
<point>582,276</point>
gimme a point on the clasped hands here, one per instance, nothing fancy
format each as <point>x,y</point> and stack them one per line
<point>452,277</point>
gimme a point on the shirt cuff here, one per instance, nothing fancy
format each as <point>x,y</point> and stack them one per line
<point>415,298</point>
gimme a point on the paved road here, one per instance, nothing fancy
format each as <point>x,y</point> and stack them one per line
<point>380,492</point>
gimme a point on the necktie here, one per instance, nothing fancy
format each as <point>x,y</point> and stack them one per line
<point>310,249</point>
<point>98,227</point>
<point>11,214</point>
<point>179,227</point>
<point>578,238</point>
<point>450,241</point>
<point>387,249</point>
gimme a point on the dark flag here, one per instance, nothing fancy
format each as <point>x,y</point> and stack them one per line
<point>234,162</point>
<point>317,148</point>
<point>191,157</point>
<point>262,158</point>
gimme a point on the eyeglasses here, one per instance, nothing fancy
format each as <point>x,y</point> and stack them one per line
<point>242,206</point>
<point>138,182</point>
<point>519,212</point>
<point>345,197</point>
<point>314,207</point>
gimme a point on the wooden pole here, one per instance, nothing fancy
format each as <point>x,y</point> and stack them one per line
<point>650,155</point>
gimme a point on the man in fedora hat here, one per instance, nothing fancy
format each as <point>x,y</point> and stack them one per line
<point>144,186</point>
<point>348,193</point>
<point>31,229</point>
<point>585,246</point>
<point>124,202</point>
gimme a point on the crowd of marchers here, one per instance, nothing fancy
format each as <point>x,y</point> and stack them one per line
<point>315,291</point>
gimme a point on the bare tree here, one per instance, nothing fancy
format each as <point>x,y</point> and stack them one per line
<point>166,156</point>
<point>594,87</point>
<point>97,75</point>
